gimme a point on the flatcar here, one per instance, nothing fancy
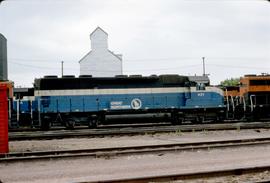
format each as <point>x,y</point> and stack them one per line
<point>71,101</point>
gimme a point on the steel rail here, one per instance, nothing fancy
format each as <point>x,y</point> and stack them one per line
<point>106,126</point>
<point>189,176</point>
<point>132,150</point>
<point>124,125</point>
<point>132,131</point>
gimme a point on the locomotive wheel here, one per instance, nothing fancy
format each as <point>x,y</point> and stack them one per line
<point>201,119</point>
<point>45,123</point>
<point>197,120</point>
<point>219,118</point>
<point>70,124</point>
<point>175,119</point>
<point>250,118</point>
<point>92,123</point>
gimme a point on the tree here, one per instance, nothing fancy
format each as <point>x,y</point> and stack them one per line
<point>230,82</point>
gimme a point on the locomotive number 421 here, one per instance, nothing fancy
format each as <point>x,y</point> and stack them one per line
<point>200,94</point>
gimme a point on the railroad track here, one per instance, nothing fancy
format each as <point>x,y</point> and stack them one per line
<point>190,176</point>
<point>135,130</point>
<point>107,126</point>
<point>119,125</point>
<point>123,125</point>
<point>133,150</point>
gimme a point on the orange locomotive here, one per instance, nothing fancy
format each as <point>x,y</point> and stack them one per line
<point>255,91</point>
<point>249,100</point>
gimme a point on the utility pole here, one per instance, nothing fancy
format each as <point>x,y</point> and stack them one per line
<point>62,68</point>
<point>203,66</point>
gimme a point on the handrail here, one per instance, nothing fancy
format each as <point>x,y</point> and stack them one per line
<point>251,102</point>
<point>244,102</point>
<point>18,110</point>
<point>232,103</point>
<point>227,98</point>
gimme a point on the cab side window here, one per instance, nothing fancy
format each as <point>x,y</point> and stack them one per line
<point>200,86</point>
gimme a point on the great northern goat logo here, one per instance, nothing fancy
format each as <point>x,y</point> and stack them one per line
<point>136,103</point>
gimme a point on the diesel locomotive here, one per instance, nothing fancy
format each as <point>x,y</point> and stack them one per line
<point>249,100</point>
<point>90,100</point>
<point>87,100</point>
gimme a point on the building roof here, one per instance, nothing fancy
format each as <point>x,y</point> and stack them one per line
<point>98,28</point>
<point>2,36</point>
<point>85,56</point>
<point>116,55</point>
<point>108,51</point>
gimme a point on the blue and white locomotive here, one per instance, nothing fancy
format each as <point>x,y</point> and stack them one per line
<point>70,101</point>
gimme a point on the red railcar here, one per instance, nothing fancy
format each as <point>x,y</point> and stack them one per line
<point>3,119</point>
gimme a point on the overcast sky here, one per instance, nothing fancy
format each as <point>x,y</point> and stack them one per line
<point>154,36</point>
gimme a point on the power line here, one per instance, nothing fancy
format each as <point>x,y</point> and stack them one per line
<point>32,66</point>
<point>36,60</point>
<point>154,69</point>
<point>253,59</point>
<point>149,59</point>
<point>140,70</point>
<point>105,70</point>
<point>239,67</point>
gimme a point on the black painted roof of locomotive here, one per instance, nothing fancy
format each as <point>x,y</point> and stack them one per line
<point>53,83</point>
<point>21,92</point>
